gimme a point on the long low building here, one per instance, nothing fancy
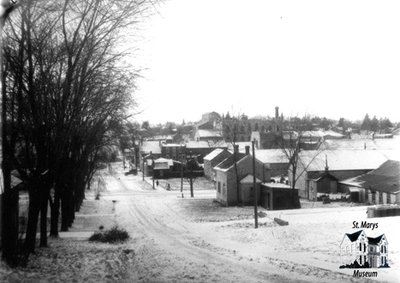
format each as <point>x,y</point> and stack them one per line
<point>380,186</point>
<point>313,167</point>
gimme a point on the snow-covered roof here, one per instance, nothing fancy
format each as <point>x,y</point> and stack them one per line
<point>386,178</point>
<point>230,161</point>
<point>249,179</point>
<point>172,145</point>
<point>213,154</point>
<point>197,144</point>
<point>312,134</point>
<point>208,133</point>
<point>342,159</point>
<point>163,163</point>
<point>242,146</point>
<point>271,156</point>
<point>277,185</point>
<point>151,146</point>
<point>331,133</point>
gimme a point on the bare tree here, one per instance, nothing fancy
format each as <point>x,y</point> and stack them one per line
<point>65,90</point>
<point>290,139</point>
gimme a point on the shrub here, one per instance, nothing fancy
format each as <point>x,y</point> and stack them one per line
<point>115,234</point>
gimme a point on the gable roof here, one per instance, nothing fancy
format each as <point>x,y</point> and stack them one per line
<point>249,180</point>
<point>203,133</point>
<point>354,236</point>
<point>230,161</point>
<point>213,154</point>
<point>271,156</point>
<point>375,241</point>
<point>316,176</point>
<point>386,178</point>
<point>339,160</point>
<point>197,144</point>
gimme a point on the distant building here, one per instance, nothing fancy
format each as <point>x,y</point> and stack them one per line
<point>173,151</point>
<point>226,179</point>
<point>208,135</point>
<point>343,164</point>
<point>213,159</point>
<point>380,186</point>
<point>274,159</point>
<point>276,196</point>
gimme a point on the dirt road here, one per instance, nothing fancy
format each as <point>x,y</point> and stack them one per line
<point>171,248</point>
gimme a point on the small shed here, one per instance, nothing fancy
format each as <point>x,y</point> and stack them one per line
<point>247,190</point>
<point>276,196</point>
<point>162,167</point>
<point>324,183</point>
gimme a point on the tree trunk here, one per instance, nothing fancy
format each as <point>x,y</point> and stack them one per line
<point>55,214</point>
<point>44,197</point>
<point>10,225</point>
<point>33,216</point>
<point>64,211</point>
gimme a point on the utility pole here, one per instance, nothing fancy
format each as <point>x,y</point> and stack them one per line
<point>180,157</point>
<point>143,167</point>
<point>191,174</point>
<point>255,187</point>
<point>152,166</point>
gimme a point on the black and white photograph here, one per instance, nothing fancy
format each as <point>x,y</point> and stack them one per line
<point>200,141</point>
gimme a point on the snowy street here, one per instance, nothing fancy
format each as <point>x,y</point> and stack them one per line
<point>189,239</point>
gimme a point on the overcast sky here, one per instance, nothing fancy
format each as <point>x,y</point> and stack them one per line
<point>328,58</point>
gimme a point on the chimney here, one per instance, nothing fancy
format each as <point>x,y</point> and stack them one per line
<point>326,163</point>
<point>247,147</point>
<point>276,112</point>
<point>236,148</point>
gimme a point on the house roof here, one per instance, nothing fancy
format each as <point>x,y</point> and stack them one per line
<point>163,163</point>
<point>354,236</point>
<point>271,156</point>
<point>249,180</point>
<point>172,145</point>
<point>204,133</point>
<point>312,134</point>
<point>213,154</point>
<point>151,146</point>
<point>316,176</point>
<point>386,178</point>
<point>339,160</point>
<point>197,144</point>
<point>331,133</point>
<point>277,185</point>
<point>374,241</point>
<point>230,161</point>
<point>242,146</point>
<point>361,143</point>
<point>218,144</point>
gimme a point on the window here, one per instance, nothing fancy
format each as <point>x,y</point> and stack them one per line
<point>219,187</point>
<point>365,247</point>
<point>360,247</point>
<point>360,260</point>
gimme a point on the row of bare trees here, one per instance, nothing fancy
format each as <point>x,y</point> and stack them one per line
<point>64,91</point>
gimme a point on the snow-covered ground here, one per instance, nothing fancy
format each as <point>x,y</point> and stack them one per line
<point>175,239</point>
